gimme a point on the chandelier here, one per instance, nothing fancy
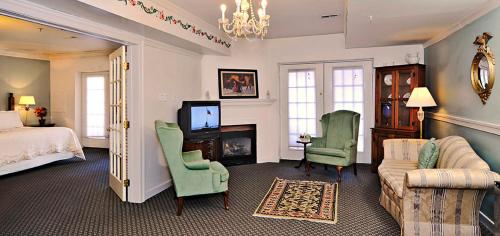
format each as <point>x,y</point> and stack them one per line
<point>244,23</point>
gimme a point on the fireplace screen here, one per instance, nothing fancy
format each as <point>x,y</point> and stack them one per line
<point>237,147</point>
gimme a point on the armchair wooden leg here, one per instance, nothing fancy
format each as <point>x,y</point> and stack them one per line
<point>226,200</point>
<point>308,168</point>
<point>339,173</point>
<point>355,168</point>
<point>180,205</point>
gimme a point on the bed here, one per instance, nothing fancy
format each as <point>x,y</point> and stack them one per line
<point>23,148</point>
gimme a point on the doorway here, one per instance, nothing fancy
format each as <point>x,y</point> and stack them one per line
<point>310,90</point>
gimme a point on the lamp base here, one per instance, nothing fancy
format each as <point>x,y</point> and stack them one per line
<point>420,117</point>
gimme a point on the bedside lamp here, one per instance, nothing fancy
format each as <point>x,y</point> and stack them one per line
<point>421,97</point>
<point>27,101</point>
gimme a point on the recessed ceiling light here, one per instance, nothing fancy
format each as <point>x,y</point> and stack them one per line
<point>329,16</point>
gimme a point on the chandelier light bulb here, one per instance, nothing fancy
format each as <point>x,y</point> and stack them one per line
<point>245,5</point>
<point>223,10</point>
<point>261,13</point>
<point>263,3</point>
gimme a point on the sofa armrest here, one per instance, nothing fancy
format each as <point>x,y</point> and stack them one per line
<point>402,149</point>
<point>195,155</point>
<point>198,165</point>
<point>450,179</point>
<point>318,142</point>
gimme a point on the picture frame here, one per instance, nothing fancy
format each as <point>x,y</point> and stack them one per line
<point>238,83</point>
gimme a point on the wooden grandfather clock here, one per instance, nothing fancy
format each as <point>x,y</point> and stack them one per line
<point>393,86</point>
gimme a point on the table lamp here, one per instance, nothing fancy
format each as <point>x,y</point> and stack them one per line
<point>27,101</point>
<point>421,97</point>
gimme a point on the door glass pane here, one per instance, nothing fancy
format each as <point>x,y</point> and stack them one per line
<point>348,94</point>
<point>95,109</point>
<point>301,105</point>
<point>404,88</point>
<point>386,100</point>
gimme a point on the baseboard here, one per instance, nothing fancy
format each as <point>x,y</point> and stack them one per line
<point>157,189</point>
<point>487,222</point>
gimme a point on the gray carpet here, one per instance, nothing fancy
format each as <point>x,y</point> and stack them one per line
<point>72,198</point>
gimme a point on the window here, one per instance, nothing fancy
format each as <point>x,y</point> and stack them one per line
<point>348,95</point>
<point>301,105</point>
<point>94,106</point>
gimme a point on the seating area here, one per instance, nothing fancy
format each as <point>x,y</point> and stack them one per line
<point>452,192</point>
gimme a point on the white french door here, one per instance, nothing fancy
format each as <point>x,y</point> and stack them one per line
<point>310,90</point>
<point>118,123</point>
<point>302,105</point>
<point>348,86</point>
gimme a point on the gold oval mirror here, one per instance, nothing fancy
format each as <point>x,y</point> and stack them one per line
<point>483,68</point>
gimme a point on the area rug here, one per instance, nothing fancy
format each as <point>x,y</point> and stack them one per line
<point>300,200</point>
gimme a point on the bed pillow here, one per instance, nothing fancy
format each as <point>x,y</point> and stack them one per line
<point>428,155</point>
<point>9,120</point>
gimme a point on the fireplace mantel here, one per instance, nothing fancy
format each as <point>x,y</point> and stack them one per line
<point>246,102</point>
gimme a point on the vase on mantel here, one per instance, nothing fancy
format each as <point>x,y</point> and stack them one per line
<point>41,121</point>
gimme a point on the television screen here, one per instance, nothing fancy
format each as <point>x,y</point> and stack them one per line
<point>204,117</point>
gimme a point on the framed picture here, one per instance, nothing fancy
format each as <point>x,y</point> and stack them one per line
<point>237,83</point>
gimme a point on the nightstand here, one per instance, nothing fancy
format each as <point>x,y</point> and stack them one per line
<point>44,125</point>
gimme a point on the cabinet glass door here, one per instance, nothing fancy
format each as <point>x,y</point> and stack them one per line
<point>403,90</point>
<point>386,97</point>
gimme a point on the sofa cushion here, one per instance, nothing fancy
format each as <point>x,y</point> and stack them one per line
<point>428,155</point>
<point>392,172</point>
<point>326,151</point>
<point>455,152</point>
<point>219,168</point>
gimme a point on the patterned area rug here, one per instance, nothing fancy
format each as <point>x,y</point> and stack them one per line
<point>300,200</point>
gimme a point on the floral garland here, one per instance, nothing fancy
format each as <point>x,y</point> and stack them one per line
<point>160,14</point>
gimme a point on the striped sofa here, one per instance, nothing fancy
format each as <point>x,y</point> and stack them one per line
<point>441,201</point>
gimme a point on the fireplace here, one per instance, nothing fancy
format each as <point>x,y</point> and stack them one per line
<point>238,145</point>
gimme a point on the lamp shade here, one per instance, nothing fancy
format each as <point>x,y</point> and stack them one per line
<point>421,97</point>
<point>27,100</point>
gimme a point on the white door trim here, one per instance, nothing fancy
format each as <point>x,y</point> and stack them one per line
<point>30,11</point>
<point>285,152</point>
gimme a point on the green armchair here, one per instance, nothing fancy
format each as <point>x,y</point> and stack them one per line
<point>191,174</point>
<point>338,145</point>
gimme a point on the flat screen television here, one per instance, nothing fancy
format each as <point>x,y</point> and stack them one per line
<point>199,118</point>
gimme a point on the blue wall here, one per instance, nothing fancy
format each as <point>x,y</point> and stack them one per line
<point>448,78</point>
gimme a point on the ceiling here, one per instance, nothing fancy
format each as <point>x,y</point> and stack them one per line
<point>392,22</point>
<point>289,18</point>
<point>20,36</point>
<point>397,22</point>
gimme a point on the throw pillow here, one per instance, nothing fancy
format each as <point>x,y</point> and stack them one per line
<point>428,155</point>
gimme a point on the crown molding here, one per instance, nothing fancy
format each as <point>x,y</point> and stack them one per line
<point>35,56</point>
<point>485,9</point>
<point>97,53</point>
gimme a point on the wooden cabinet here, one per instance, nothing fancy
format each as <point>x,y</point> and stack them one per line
<point>393,86</point>
<point>208,146</point>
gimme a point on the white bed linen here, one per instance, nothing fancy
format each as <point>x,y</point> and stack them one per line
<point>29,143</point>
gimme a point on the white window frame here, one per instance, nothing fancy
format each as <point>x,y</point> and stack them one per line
<point>98,142</point>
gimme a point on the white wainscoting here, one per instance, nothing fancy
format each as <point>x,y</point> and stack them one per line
<point>466,122</point>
